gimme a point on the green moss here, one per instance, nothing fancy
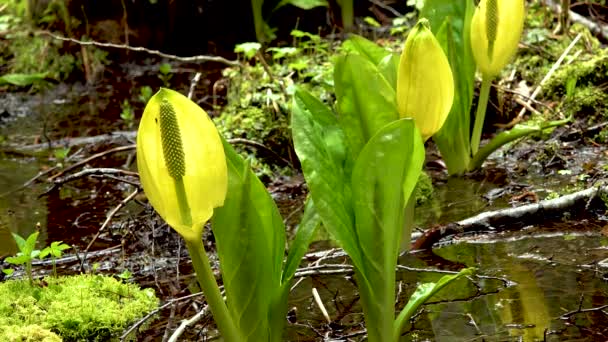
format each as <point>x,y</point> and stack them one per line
<point>261,126</point>
<point>424,190</point>
<point>27,333</point>
<point>78,308</point>
<point>588,71</point>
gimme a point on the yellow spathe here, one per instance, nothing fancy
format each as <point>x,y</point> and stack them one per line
<point>496,28</point>
<point>425,84</point>
<point>197,165</point>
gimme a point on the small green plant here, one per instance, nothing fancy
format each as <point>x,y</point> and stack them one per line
<point>27,253</point>
<point>127,114</point>
<point>61,154</point>
<point>165,74</point>
<point>125,275</point>
<point>55,250</point>
<point>145,93</point>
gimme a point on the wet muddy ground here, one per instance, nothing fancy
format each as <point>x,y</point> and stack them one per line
<point>544,281</point>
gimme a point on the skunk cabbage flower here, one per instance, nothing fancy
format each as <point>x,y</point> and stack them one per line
<point>425,85</point>
<point>496,29</point>
<point>181,162</point>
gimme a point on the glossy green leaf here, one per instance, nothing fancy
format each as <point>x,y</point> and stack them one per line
<point>28,246</point>
<point>21,244</point>
<point>320,145</point>
<point>362,115</point>
<point>20,259</point>
<point>250,238</point>
<point>383,178</point>
<point>306,229</point>
<point>389,67</point>
<point>55,249</point>
<point>304,235</point>
<point>366,48</point>
<point>423,293</point>
<point>451,20</point>
<point>503,138</point>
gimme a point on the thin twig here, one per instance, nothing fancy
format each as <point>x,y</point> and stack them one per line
<point>579,310</point>
<point>192,59</point>
<point>156,311</point>
<point>110,216</point>
<point>539,87</point>
<point>386,7</point>
<point>89,172</point>
<point>193,83</point>
<point>169,323</point>
<point>259,146</point>
<point>266,67</point>
<point>93,157</point>
<point>187,323</point>
<point>319,302</point>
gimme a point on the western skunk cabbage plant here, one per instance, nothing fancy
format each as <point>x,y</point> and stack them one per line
<point>181,162</point>
<point>362,164</point>
<point>496,28</point>
<point>182,168</point>
<point>425,85</point>
<point>189,174</point>
<point>484,38</point>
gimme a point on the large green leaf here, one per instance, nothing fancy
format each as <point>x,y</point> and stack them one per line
<point>383,179</point>
<point>450,20</point>
<point>250,238</point>
<point>320,145</point>
<point>365,100</point>
<point>306,230</point>
<point>366,48</point>
<point>423,293</point>
<point>389,67</point>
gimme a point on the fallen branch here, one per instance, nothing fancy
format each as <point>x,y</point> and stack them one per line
<point>88,172</point>
<point>78,141</point>
<point>186,323</point>
<point>192,59</point>
<point>89,159</point>
<point>512,218</point>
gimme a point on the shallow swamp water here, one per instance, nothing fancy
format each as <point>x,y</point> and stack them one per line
<point>544,281</point>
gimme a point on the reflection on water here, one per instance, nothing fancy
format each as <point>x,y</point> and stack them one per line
<point>457,199</point>
<point>552,275</point>
<point>20,211</point>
